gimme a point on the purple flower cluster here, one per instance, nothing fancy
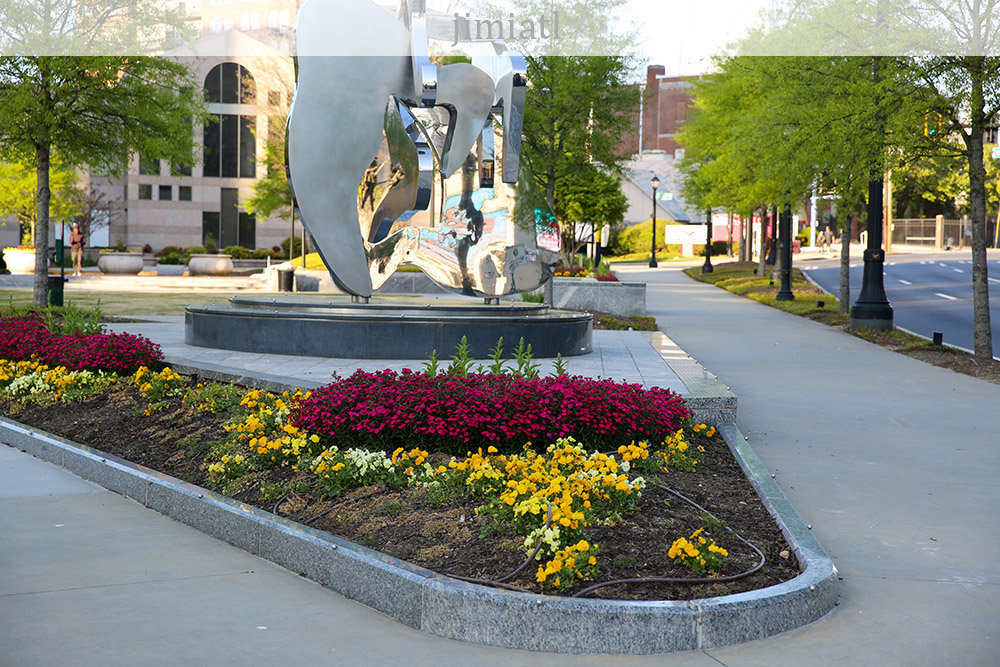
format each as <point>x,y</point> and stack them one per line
<point>27,337</point>
<point>455,414</point>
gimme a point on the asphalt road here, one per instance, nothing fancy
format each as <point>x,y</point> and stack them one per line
<point>928,292</point>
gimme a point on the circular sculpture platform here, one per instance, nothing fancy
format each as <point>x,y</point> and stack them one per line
<point>385,328</point>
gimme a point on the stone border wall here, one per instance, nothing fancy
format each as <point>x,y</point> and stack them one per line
<point>450,608</point>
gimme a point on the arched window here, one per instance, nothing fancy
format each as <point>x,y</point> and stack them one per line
<point>284,19</point>
<point>230,83</point>
<point>245,22</point>
<point>255,21</point>
<point>272,19</point>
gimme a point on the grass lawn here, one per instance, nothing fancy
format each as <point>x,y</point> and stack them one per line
<point>742,279</point>
<point>121,304</point>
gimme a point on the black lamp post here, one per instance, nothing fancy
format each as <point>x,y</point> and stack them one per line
<point>785,250</point>
<point>872,309</point>
<point>655,182</point>
<point>707,266</point>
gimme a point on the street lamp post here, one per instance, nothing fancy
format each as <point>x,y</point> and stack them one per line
<point>655,182</point>
<point>707,266</point>
<point>785,250</point>
<point>872,309</point>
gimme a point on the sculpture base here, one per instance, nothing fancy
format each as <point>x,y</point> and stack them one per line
<point>385,328</point>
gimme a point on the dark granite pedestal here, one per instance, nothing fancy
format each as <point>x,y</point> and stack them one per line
<point>386,328</point>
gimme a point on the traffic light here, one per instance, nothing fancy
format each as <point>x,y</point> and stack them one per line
<point>932,124</point>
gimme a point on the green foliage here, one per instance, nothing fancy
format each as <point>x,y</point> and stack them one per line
<point>588,195</point>
<point>636,239</point>
<point>271,195</point>
<point>19,194</point>
<point>238,252</point>
<point>460,361</point>
<point>172,258</point>
<point>193,250</point>
<point>523,357</point>
<point>533,297</point>
<point>263,253</point>
<point>296,247</point>
<point>93,110</point>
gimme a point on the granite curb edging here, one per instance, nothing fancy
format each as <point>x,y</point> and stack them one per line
<point>454,609</point>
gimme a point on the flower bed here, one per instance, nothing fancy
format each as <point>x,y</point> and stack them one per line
<point>29,338</point>
<point>452,413</point>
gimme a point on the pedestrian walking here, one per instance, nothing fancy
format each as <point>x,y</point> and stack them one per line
<point>76,249</point>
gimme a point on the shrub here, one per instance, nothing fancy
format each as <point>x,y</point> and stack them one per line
<point>169,249</point>
<point>171,258</point>
<point>296,247</point>
<point>147,248</point>
<point>262,253</point>
<point>27,337</point>
<point>193,250</point>
<point>386,410</point>
<point>237,252</point>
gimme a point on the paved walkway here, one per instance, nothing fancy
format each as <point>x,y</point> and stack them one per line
<point>893,461</point>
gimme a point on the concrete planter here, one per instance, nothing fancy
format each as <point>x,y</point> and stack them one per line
<point>617,298</point>
<point>170,269</point>
<point>20,262</point>
<point>120,263</point>
<point>210,265</point>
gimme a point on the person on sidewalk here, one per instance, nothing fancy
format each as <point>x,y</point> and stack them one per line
<point>76,249</point>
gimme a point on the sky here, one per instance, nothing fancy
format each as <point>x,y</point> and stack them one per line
<point>682,35</point>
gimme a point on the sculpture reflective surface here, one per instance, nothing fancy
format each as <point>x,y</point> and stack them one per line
<point>394,160</point>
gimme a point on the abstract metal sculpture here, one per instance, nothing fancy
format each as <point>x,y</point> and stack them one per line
<point>394,160</point>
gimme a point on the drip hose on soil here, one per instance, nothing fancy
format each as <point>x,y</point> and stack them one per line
<point>685,580</point>
<point>499,582</point>
<point>345,500</point>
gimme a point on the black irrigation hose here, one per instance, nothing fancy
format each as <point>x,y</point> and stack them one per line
<point>685,580</point>
<point>499,582</point>
<point>274,510</point>
<point>345,500</point>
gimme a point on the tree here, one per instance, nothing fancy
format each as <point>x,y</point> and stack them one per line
<point>272,194</point>
<point>19,192</point>
<point>576,112</point>
<point>966,92</point>
<point>94,110</point>
<point>592,197</point>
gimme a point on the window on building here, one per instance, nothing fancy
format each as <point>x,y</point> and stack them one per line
<point>166,192</point>
<point>255,22</point>
<point>230,146</point>
<point>145,191</point>
<point>272,19</point>
<point>209,227</point>
<point>177,169</point>
<point>230,226</point>
<point>284,18</point>
<point>245,22</point>
<point>149,167</point>
<point>230,83</point>
<point>184,193</point>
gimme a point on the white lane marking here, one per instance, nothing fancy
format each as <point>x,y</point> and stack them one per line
<point>811,268</point>
<point>993,280</point>
<point>889,263</point>
<point>958,270</point>
<point>905,282</point>
<point>854,266</point>
<point>944,265</point>
<point>946,296</point>
<point>923,262</point>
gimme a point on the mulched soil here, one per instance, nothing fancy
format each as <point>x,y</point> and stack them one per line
<point>443,533</point>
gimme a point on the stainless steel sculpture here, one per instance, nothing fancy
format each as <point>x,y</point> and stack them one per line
<point>394,160</point>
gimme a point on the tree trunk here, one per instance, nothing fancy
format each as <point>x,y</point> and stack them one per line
<point>41,290</point>
<point>763,242</point>
<point>729,238</point>
<point>981,329</point>
<point>845,264</point>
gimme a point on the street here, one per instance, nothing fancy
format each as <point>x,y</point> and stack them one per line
<point>928,291</point>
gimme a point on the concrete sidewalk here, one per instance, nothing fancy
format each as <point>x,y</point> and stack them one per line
<point>894,462</point>
<point>889,458</point>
